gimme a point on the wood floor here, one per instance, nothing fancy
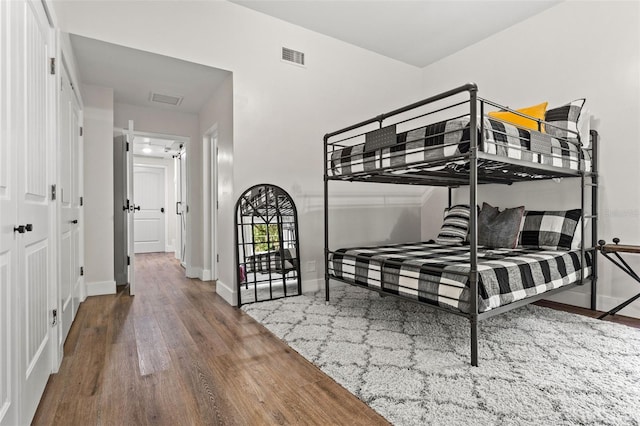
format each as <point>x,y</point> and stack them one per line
<point>177,354</point>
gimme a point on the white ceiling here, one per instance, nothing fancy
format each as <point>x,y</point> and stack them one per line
<point>134,74</point>
<point>417,32</point>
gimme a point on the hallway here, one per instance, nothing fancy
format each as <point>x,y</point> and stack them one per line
<point>177,354</point>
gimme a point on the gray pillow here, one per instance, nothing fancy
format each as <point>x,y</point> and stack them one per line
<point>498,229</point>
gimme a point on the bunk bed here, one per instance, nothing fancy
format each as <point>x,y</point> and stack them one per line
<point>431,142</point>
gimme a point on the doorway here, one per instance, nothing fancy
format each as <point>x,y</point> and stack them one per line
<point>150,197</point>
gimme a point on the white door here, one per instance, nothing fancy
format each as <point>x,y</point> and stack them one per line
<point>149,189</point>
<point>130,213</point>
<point>35,155</point>
<point>27,248</point>
<point>177,168</point>
<point>9,312</point>
<point>69,202</point>
<point>184,208</point>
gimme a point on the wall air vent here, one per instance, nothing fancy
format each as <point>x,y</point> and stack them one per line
<point>165,99</point>
<point>292,56</point>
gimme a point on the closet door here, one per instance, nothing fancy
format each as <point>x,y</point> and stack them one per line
<point>26,242</point>
<point>34,148</point>
<point>9,332</point>
<point>69,202</point>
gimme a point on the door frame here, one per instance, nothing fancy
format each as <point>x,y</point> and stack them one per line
<point>210,202</point>
<point>184,140</point>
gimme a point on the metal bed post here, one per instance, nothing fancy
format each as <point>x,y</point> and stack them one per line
<point>297,242</point>
<point>583,185</point>
<point>473,222</point>
<point>326,222</point>
<point>594,213</point>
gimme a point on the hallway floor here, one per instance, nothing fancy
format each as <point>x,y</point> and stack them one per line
<point>177,354</point>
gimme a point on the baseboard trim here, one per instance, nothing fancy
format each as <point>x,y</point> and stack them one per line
<point>193,272</point>
<point>312,286</point>
<point>227,293</point>
<point>100,288</point>
<point>169,249</point>
<point>81,290</point>
<point>604,303</point>
<point>206,275</point>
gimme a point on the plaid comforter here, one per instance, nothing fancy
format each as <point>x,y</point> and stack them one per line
<point>450,138</point>
<point>505,275</point>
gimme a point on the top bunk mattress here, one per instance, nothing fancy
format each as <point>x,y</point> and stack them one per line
<point>450,139</point>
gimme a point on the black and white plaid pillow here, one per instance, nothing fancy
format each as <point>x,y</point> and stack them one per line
<point>455,226</point>
<point>550,230</point>
<point>566,118</point>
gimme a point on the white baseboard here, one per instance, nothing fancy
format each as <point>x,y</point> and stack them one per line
<point>169,249</point>
<point>99,288</point>
<point>81,290</point>
<point>312,286</point>
<point>206,275</point>
<point>604,303</point>
<point>227,293</point>
<point>193,272</point>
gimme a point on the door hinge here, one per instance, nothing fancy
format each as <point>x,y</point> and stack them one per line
<point>54,317</point>
<point>127,146</point>
<point>82,271</point>
<point>52,65</point>
<point>81,201</point>
<point>128,260</point>
<point>81,130</point>
<point>217,258</point>
<point>53,192</point>
<point>217,205</point>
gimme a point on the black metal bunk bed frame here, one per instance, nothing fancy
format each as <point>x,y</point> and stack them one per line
<point>513,170</point>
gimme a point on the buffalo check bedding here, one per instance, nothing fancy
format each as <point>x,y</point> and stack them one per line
<point>438,274</point>
<point>450,138</point>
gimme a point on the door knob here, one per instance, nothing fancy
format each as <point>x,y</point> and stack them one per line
<point>161,209</point>
<point>20,229</point>
<point>136,208</point>
<point>74,221</point>
<point>28,227</point>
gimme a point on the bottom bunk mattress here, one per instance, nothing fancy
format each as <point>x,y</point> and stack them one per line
<point>438,274</point>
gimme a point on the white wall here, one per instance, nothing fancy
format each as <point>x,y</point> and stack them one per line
<point>280,111</point>
<point>156,120</point>
<point>573,50</point>
<point>98,189</point>
<point>169,195</point>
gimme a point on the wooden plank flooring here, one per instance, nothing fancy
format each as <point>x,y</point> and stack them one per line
<point>177,354</point>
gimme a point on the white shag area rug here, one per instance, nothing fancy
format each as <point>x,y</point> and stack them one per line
<point>410,362</point>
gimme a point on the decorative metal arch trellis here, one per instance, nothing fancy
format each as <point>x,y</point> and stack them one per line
<point>267,247</point>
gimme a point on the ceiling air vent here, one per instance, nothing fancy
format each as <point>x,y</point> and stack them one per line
<point>165,99</point>
<point>292,56</point>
